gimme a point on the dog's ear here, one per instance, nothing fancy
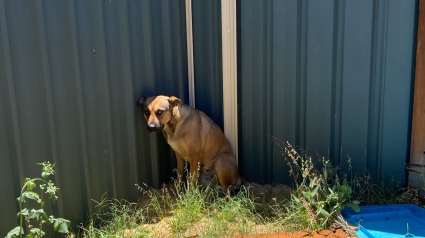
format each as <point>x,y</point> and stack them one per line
<point>174,101</point>
<point>142,100</point>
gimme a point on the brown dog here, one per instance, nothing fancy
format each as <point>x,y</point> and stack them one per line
<point>195,138</point>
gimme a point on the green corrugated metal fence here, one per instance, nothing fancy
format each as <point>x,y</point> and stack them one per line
<point>207,58</point>
<point>70,74</point>
<point>332,77</point>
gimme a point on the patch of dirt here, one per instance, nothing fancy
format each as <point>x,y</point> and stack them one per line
<point>270,194</point>
<point>265,194</point>
<point>338,233</point>
<point>162,229</point>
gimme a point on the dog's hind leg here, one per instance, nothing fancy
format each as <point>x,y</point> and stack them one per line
<point>226,171</point>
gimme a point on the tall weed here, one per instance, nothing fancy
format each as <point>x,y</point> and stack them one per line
<point>319,196</point>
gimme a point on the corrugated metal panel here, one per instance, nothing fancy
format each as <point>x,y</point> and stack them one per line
<point>208,58</point>
<point>333,77</point>
<point>70,74</point>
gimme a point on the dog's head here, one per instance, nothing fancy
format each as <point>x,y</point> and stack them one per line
<point>159,110</point>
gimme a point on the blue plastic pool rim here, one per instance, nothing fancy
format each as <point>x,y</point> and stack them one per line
<point>383,212</point>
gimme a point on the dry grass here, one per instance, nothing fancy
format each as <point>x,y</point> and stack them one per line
<point>187,211</point>
<point>182,210</point>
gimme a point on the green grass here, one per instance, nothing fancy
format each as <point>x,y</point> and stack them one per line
<point>182,210</point>
<point>386,190</point>
<point>121,220</point>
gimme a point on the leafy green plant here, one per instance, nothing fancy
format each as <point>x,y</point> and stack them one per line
<point>319,195</point>
<point>28,193</point>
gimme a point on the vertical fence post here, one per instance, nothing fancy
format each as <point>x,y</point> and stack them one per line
<point>229,48</point>
<point>190,65</point>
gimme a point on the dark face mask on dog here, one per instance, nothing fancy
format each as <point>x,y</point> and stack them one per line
<point>158,111</point>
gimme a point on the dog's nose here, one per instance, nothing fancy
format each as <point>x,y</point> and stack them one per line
<point>152,127</point>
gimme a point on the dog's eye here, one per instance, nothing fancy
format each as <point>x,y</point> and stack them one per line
<point>147,112</point>
<point>159,112</point>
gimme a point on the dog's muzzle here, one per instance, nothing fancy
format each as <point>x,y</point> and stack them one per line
<point>155,128</point>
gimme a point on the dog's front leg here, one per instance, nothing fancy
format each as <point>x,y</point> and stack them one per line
<point>180,167</point>
<point>194,171</point>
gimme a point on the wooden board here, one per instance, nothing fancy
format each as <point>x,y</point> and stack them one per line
<point>417,149</point>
